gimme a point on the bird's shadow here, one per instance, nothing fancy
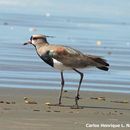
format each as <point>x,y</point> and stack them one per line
<point>91,107</point>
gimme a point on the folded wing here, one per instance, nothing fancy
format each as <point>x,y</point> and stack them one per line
<point>75,59</point>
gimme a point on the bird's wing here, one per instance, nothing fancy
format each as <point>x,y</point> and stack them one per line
<point>69,57</point>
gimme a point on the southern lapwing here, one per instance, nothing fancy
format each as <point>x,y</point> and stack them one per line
<point>65,58</point>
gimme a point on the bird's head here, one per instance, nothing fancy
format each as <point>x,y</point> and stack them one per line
<point>35,39</point>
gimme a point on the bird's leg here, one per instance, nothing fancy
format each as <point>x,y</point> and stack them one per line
<point>77,95</point>
<point>62,86</point>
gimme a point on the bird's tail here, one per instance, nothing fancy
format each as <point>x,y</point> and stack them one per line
<point>103,68</point>
<point>100,63</point>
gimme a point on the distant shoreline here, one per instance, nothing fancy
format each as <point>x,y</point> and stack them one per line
<point>68,89</point>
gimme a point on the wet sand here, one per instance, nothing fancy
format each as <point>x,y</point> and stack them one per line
<point>98,108</point>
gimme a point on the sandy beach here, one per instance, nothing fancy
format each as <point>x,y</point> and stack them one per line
<point>28,86</point>
<point>97,109</point>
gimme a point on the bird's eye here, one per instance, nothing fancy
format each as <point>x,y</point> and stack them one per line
<point>34,38</point>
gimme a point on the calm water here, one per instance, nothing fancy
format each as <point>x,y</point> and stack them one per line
<point>20,67</point>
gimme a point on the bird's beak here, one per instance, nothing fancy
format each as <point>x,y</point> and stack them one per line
<point>28,42</point>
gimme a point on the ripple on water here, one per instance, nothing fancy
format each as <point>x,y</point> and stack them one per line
<point>20,66</point>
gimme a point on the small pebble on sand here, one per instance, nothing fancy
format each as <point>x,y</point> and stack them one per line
<point>47,103</point>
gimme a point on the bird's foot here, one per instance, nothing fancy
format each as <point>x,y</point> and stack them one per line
<point>76,106</point>
<point>77,97</point>
<point>76,100</point>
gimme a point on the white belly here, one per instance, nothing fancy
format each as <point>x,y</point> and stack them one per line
<point>58,65</point>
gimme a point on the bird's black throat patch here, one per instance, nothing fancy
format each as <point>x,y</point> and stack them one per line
<point>46,58</point>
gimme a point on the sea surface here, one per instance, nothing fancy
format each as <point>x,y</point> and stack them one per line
<point>99,28</point>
